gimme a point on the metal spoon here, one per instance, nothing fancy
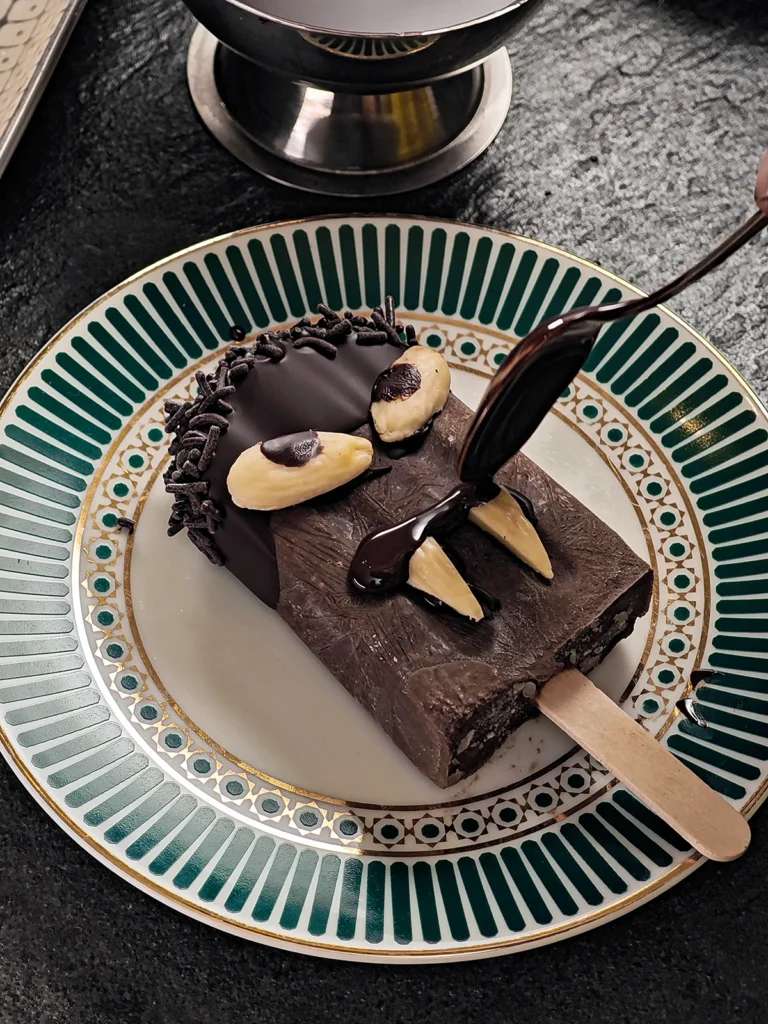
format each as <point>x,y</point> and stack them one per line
<point>518,398</point>
<point>529,381</point>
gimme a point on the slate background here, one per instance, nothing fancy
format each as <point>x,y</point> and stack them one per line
<point>633,139</point>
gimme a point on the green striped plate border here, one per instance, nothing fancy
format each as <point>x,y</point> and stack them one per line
<point>471,290</point>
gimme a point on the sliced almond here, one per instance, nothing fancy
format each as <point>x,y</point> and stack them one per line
<point>260,483</point>
<point>409,393</point>
<point>505,520</point>
<point>431,571</point>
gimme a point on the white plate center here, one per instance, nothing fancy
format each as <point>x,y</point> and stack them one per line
<point>245,680</point>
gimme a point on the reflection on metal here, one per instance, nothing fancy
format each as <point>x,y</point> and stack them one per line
<point>347,143</point>
<point>352,98</point>
<point>317,106</point>
<point>374,48</point>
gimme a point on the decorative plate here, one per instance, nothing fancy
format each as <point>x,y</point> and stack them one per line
<point>179,731</point>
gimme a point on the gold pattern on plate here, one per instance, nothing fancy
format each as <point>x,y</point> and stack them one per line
<point>233,924</point>
<point>370,819</point>
<point>103,852</point>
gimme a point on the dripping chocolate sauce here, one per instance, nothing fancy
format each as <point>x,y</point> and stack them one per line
<point>701,675</point>
<point>381,561</point>
<point>688,706</point>
<point>520,394</point>
<point>523,390</point>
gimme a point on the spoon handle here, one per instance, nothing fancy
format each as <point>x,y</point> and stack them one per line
<point>544,363</point>
<point>719,255</point>
<point>748,230</point>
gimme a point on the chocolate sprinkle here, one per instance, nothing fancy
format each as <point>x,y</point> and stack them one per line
<point>381,322</point>
<point>372,337</point>
<point>209,419</point>
<point>325,348</point>
<point>197,425</point>
<point>298,328</point>
<point>210,447</point>
<point>340,330</point>
<point>124,523</point>
<point>268,345</point>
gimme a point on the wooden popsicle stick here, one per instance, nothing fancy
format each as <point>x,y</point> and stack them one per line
<point>709,823</point>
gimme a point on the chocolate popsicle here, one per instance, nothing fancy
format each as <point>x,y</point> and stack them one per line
<point>448,690</point>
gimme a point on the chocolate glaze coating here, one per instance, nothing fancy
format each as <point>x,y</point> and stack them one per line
<point>303,391</point>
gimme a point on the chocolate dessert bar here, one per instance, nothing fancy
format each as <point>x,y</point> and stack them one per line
<point>360,435</point>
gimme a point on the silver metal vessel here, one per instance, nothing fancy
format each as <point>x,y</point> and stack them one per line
<point>352,98</point>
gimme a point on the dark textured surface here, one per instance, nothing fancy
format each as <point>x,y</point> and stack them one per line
<point>634,134</point>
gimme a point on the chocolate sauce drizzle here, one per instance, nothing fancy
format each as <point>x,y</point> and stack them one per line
<point>525,387</point>
<point>197,425</point>
<point>381,561</point>
<point>292,449</point>
<point>400,380</point>
<point>516,401</point>
<point>688,706</point>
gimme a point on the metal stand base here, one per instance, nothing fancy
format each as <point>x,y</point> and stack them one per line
<point>344,144</point>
